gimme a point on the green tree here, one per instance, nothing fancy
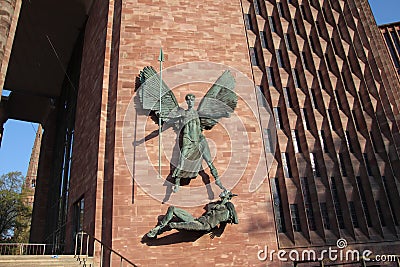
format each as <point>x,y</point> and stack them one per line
<point>14,213</point>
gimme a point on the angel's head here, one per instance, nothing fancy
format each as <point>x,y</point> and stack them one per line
<point>190,100</point>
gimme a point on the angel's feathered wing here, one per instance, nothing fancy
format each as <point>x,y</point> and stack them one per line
<point>149,93</point>
<point>219,102</point>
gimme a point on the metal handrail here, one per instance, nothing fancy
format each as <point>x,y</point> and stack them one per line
<point>51,240</point>
<point>83,249</point>
<point>22,249</point>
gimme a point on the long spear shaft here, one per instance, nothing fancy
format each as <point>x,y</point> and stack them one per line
<point>160,59</point>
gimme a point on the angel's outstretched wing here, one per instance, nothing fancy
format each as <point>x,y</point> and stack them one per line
<point>220,101</point>
<point>149,93</point>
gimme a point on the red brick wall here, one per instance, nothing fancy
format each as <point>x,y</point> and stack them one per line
<point>188,31</point>
<point>88,148</point>
<point>388,78</point>
<point>8,24</point>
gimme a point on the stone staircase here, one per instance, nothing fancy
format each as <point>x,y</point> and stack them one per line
<point>44,260</point>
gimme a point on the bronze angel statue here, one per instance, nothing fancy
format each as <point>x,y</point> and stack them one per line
<point>220,101</point>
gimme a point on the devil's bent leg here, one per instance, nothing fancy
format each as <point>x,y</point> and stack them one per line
<point>194,226</point>
<point>181,214</point>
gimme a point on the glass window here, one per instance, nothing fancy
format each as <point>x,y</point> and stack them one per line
<point>312,45</point>
<point>296,141</point>
<point>253,56</point>
<point>304,60</point>
<point>336,203</point>
<point>353,215</point>
<point>342,164</point>
<point>314,102</point>
<point>307,203</point>
<point>331,120</point>
<point>355,119</point>
<point>320,79</point>
<point>369,171</point>
<point>361,100</point>
<point>262,102</point>
<point>270,76</point>
<point>334,46</point>
<point>398,32</point>
<point>328,63</point>
<point>392,207</point>
<point>303,12</point>
<point>381,217</point>
<point>287,42</point>
<point>288,97</point>
<point>304,117</point>
<point>325,215</point>
<point>263,40</point>
<point>322,139</point>
<point>294,211</point>
<point>268,141</point>
<point>318,28</point>
<point>314,165</point>
<point>324,13</point>
<point>280,9</point>
<point>350,61</point>
<point>373,142</point>
<point>279,58</point>
<point>272,24</point>
<point>392,50</point>
<point>348,141</point>
<point>256,7</point>
<point>247,22</point>
<point>279,214</point>
<point>79,210</point>
<point>278,117</point>
<point>286,165</point>
<point>363,201</point>
<point>395,40</point>
<point>338,99</point>
<point>296,78</point>
<point>345,85</point>
<point>295,26</point>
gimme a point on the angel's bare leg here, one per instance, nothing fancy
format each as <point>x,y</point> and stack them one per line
<point>171,212</point>
<point>207,157</point>
<point>176,185</point>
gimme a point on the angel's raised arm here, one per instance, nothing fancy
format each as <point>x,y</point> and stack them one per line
<point>175,114</point>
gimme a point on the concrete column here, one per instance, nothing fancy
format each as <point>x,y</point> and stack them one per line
<point>3,117</point>
<point>9,14</point>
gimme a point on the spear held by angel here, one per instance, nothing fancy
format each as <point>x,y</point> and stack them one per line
<point>220,101</point>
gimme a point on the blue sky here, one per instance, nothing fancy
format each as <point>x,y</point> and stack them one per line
<point>19,136</point>
<point>15,151</point>
<point>385,11</point>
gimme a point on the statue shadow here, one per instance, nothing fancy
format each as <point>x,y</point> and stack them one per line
<point>183,236</point>
<point>206,180</point>
<point>170,181</point>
